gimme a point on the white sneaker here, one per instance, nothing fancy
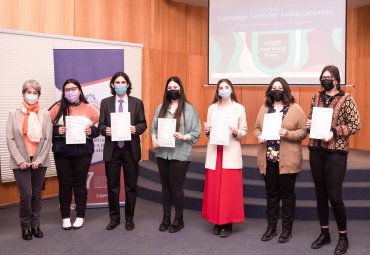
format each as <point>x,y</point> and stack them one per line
<point>78,223</point>
<point>67,224</point>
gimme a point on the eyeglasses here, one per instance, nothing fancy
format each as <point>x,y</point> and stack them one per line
<point>70,89</point>
<point>327,77</point>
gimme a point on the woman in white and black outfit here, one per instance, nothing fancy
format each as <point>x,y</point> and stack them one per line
<point>73,160</point>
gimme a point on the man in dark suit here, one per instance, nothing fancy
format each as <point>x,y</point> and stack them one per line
<point>118,154</point>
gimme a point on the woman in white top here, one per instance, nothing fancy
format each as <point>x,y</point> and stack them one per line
<point>223,201</point>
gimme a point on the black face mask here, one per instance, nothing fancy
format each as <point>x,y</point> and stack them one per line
<point>327,84</point>
<point>173,94</point>
<point>277,95</point>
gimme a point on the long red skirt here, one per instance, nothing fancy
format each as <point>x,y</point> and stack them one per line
<point>223,194</point>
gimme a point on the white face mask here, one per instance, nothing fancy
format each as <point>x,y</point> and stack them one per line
<point>31,98</point>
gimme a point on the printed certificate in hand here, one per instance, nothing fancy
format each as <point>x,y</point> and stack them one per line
<point>272,125</point>
<point>75,133</point>
<point>120,125</point>
<point>321,122</point>
<point>220,132</point>
<point>166,129</point>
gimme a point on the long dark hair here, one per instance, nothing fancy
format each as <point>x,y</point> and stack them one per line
<point>334,71</point>
<point>114,77</point>
<point>167,101</point>
<point>288,98</point>
<point>65,104</point>
<point>217,98</point>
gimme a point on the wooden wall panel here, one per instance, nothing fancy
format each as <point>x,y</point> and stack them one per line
<point>197,30</point>
<point>174,27</point>
<point>200,97</point>
<point>152,92</point>
<point>54,17</point>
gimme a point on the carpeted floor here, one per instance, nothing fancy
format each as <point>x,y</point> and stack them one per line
<point>195,238</point>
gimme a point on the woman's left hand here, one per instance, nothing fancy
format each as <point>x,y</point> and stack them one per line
<point>328,137</point>
<point>282,131</point>
<point>234,131</point>
<point>35,165</point>
<point>179,136</point>
<point>88,131</point>
<point>133,130</point>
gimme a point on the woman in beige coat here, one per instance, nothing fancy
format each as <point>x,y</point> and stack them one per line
<point>279,161</point>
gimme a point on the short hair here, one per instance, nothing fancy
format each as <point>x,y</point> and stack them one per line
<point>31,83</point>
<point>114,77</point>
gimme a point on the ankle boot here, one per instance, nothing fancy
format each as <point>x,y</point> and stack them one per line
<point>342,246</point>
<point>176,226</point>
<point>26,234</point>
<point>166,223</point>
<point>36,232</point>
<point>324,238</point>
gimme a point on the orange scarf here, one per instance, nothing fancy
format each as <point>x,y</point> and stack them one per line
<point>30,108</point>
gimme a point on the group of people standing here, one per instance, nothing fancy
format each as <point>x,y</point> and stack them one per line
<point>31,131</point>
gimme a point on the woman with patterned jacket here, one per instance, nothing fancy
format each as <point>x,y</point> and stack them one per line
<point>328,156</point>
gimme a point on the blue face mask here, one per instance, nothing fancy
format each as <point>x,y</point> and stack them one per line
<point>120,89</point>
<point>225,93</point>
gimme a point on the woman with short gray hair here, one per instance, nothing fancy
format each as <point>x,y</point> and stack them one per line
<point>28,135</point>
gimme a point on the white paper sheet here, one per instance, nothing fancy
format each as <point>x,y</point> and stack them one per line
<point>120,124</point>
<point>75,133</point>
<point>272,125</point>
<point>166,129</point>
<point>321,122</point>
<point>220,132</point>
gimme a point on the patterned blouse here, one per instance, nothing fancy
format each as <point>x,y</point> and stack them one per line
<point>273,146</point>
<point>345,122</point>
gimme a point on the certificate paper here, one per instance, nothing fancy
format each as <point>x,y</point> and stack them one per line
<point>166,129</point>
<point>272,125</point>
<point>220,132</point>
<point>120,124</point>
<point>75,133</point>
<point>321,122</point>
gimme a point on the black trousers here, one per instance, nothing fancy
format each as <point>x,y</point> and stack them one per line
<point>328,170</point>
<point>279,187</point>
<point>172,173</point>
<point>122,157</point>
<point>29,183</point>
<point>72,176</point>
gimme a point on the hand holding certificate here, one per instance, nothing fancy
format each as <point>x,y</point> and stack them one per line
<point>75,129</point>
<point>120,126</point>
<point>271,126</point>
<point>220,132</point>
<point>321,122</point>
<point>166,129</point>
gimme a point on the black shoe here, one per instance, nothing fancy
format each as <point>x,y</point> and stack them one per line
<point>342,246</point>
<point>26,234</point>
<point>285,237</point>
<point>130,225</point>
<point>226,230</point>
<point>36,232</point>
<point>269,234</point>
<point>321,241</point>
<point>112,224</point>
<point>176,226</point>
<point>216,229</point>
<point>166,223</point>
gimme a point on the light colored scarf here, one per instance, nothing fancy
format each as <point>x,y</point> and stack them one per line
<point>31,124</point>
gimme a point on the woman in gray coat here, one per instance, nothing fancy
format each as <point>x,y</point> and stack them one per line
<point>28,135</point>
